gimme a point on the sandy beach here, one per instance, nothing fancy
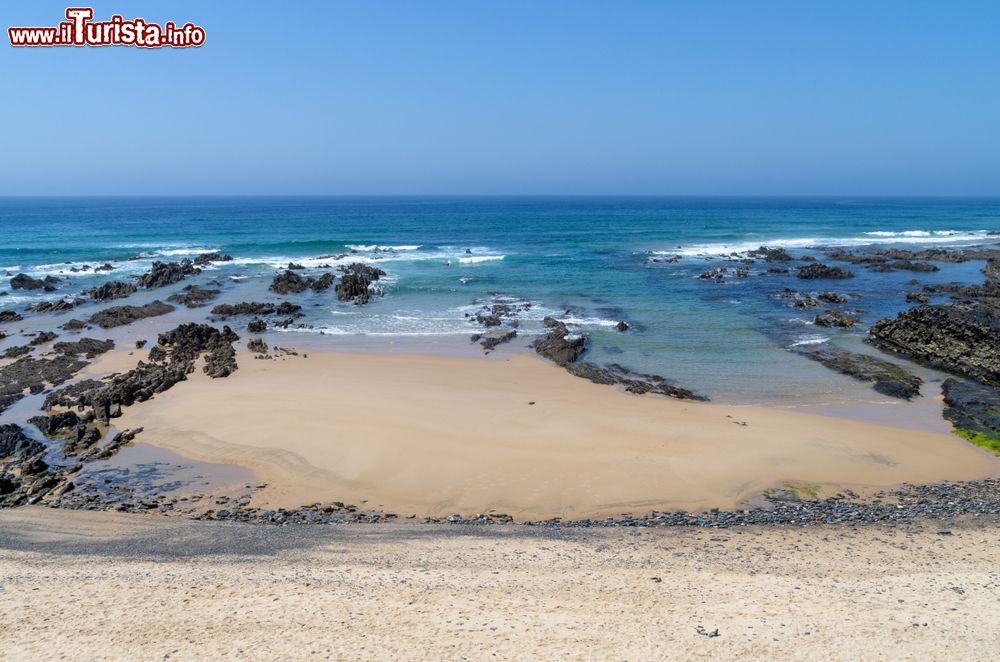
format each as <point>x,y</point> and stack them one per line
<point>435,435</point>
<point>110,586</point>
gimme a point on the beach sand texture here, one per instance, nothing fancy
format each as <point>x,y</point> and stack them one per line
<point>434,435</point>
<point>101,586</point>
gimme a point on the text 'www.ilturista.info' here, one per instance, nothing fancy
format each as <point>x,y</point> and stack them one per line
<point>81,30</point>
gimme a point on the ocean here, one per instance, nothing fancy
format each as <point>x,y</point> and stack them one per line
<point>591,261</point>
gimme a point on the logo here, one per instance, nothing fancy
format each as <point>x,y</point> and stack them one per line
<point>81,30</point>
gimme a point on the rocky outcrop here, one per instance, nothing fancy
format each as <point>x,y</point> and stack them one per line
<point>26,282</point>
<point>356,283</point>
<point>243,308</point>
<point>835,318</point>
<point>289,282</point>
<point>491,342</point>
<point>887,378</point>
<point>257,346</point>
<point>972,407</point>
<point>114,289</point>
<point>58,306</point>
<point>89,347</point>
<point>42,337</point>
<point>34,375</point>
<point>162,274</point>
<point>17,445</point>
<point>9,316</point>
<point>771,254</point>
<point>633,382</point>
<point>559,345</point>
<point>952,337</point>
<point>257,326</point>
<point>818,270</point>
<point>831,297</point>
<point>205,259</point>
<point>74,325</point>
<point>171,360</point>
<point>109,318</point>
<point>193,296</point>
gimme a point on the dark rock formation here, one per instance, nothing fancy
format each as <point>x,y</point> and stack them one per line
<point>952,337</point>
<point>559,345</point>
<point>356,283</point>
<point>289,282</point>
<point>835,318</point>
<point>122,315</point>
<point>74,325</point>
<point>771,254</point>
<point>42,338</point>
<point>819,270</point>
<point>26,282</point>
<point>972,407</point>
<point>257,326</point>
<point>171,360</point>
<point>15,444</point>
<point>207,258</point>
<point>257,346</point>
<point>33,375</point>
<point>193,296</point>
<point>57,306</point>
<point>888,378</point>
<point>89,347</point>
<point>917,297</point>
<point>9,316</point>
<point>114,289</point>
<point>244,308</point>
<point>167,273</point>
<point>490,343</point>
<point>16,351</point>
<point>633,382</point>
<point>622,326</point>
<point>831,297</point>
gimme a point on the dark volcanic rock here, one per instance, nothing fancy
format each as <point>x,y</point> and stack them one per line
<point>289,282</point>
<point>244,308</point>
<point>831,297</point>
<point>171,360</point>
<point>14,443</point>
<point>356,283</point>
<point>952,337</point>
<point>771,254</point>
<point>633,382</point>
<point>917,297</point>
<point>287,308</point>
<point>167,273</point>
<point>74,325</point>
<point>42,338</point>
<point>26,282</point>
<point>992,269</point>
<point>972,407</point>
<point>559,345</point>
<point>490,343</point>
<point>323,283</point>
<point>207,258</point>
<point>9,316</point>
<point>193,296</point>
<point>888,378</point>
<point>89,347</point>
<point>818,270</point>
<point>16,351</point>
<point>58,306</point>
<point>257,346</point>
<point>188,341</point>
<point>257,326</point>
<point>122,315</point>
<point>835,318</point>
<point>622,326</point>
<point>114,289</point>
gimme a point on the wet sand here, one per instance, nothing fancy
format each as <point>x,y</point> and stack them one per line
<point>109,586</point>
<point>435,435</point>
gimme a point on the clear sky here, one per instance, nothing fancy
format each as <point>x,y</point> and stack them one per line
<point>513,97</point>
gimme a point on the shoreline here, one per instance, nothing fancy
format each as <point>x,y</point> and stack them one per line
<point>377,430</point>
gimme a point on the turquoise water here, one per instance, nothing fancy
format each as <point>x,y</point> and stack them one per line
<point>592,261</point>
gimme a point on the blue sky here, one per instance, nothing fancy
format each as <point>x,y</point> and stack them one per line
<point>513,97</point>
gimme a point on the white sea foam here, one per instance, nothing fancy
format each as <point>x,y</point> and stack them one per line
<point>374,247</point>
<point>477,259</point>
<point>810,340</point>
<point>923,237</point>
